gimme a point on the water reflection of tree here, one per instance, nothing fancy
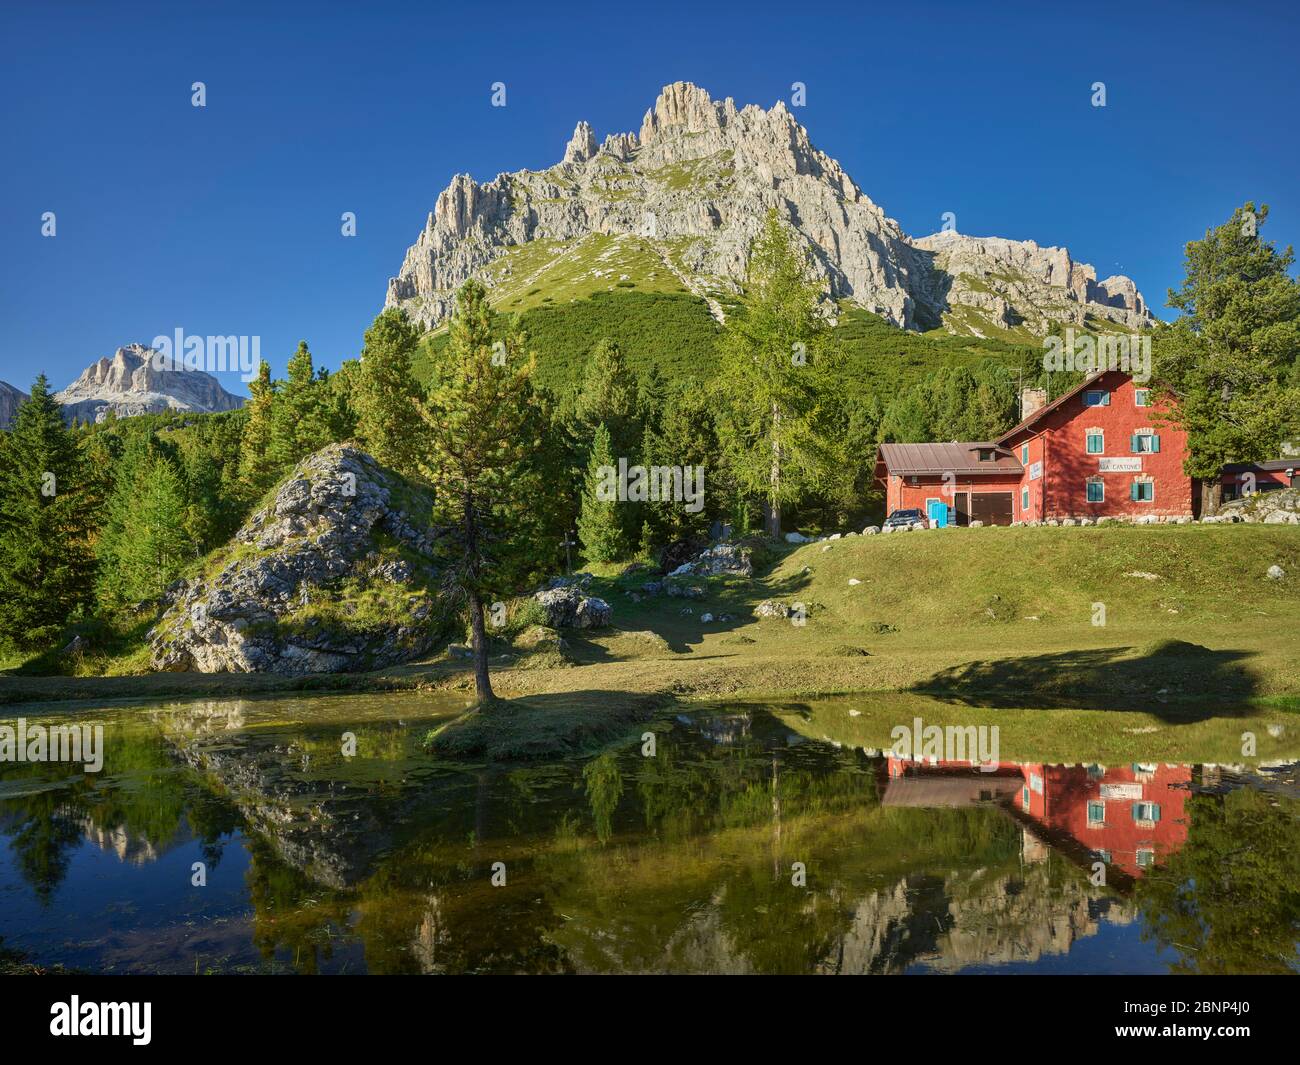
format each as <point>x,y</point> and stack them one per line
<point>1229,900</point>
<point>141,797</point>
<point>604,780</point>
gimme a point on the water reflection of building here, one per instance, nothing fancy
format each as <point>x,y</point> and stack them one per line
<point>1130,817</point>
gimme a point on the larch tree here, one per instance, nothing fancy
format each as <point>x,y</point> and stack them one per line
<point>300,414</point>
<point>257,469</point>
<point>774,355</point>
<point>482,446</point>
<point>601,527</point>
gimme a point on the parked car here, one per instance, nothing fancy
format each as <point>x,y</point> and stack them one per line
<point>899,518</point>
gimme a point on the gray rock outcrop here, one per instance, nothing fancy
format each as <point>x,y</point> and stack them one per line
<point>333,575</point>
<point>1277,507</point>
<point>720,559</point>
<point>686,195</point>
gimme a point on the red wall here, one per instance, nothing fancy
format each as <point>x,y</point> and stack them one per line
<point>1067,465</point>
<point>1062,805</point>
<point>902,495</point>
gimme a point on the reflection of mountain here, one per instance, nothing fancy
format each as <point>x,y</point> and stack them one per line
<point>126,845</point>
<point>972,919</point>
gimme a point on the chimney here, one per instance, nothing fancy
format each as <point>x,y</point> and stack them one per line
<point>1032,400</point>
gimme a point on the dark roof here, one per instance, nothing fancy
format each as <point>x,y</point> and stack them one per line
<point>948,790</point>
<point>1041,412</point>
<point>1268,464</point>
<point>947,458</point>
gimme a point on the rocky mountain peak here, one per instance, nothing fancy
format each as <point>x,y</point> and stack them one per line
<point>138,380</point>
<point>678,204</point>
<point>582,145</point>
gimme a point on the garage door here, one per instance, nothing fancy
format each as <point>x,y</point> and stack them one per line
<point>992,508</point>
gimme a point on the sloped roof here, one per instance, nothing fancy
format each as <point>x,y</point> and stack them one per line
<point>1042,412</point>
<point>947,458</point>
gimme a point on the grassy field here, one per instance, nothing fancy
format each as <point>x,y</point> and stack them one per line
<point>978,618</point>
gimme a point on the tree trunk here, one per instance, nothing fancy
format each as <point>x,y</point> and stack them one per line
<point>1211,496</point>
<point>482,685</point>
<point>772,508</point>
<point>772,519</point>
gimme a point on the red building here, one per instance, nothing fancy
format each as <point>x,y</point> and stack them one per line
<point>1098,451</point>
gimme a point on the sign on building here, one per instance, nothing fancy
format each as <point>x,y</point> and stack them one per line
<point>1119,465</point>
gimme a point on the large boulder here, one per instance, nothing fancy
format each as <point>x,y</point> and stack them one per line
<point>335,574</point>
<point>567,608</point>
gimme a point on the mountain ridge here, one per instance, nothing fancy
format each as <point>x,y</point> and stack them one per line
<point>675,206</point>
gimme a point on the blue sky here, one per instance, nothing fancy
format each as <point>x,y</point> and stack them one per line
<point>225,219</point>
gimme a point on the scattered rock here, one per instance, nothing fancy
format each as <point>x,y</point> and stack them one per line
<point>770,608</point>
<point>854,581</point>
<point>797,538</point>
<point>1276,573</point>
<point>78,645</point>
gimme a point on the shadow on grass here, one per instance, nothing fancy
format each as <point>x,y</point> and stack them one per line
<point>663,614</point>
<point>1172,670</point>
<point>544,726</point>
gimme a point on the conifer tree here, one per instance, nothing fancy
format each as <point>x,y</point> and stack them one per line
<point>773,379</point>
<point>389,426</point>
<point>600,523</point>
<point>46,562</point>
<point>300,415</point>
<point>145,539</point>
<point>483,444</point>
<point>257,469</point>
<point>1230,361</point>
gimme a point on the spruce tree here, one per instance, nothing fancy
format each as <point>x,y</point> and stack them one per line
<point>300,421</point>
<point>600,523</point>
<point>46,562</point>
<point>389,426</point>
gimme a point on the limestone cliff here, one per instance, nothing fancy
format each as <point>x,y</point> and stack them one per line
<point>676,205</point>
